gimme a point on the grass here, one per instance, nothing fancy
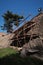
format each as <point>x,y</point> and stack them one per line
<point>10,56</point>
<point>6,51</point>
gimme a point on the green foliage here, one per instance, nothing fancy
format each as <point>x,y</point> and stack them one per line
<point>9,20</point>
<point>7,51</point>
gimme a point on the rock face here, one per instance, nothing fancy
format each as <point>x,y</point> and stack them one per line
<point>30,31</point>
<point>5,40</point>
<point>36,42</point>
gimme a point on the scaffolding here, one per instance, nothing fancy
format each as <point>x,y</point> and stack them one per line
<point>21,36</point>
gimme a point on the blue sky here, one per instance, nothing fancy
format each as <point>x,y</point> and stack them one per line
<point>21,7</point>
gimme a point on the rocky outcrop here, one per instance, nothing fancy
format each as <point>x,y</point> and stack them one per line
<point>5,40</point>
<point>36,42</point>
<point>25,34</point>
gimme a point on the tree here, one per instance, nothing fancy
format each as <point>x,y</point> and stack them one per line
<point>9,20</point>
